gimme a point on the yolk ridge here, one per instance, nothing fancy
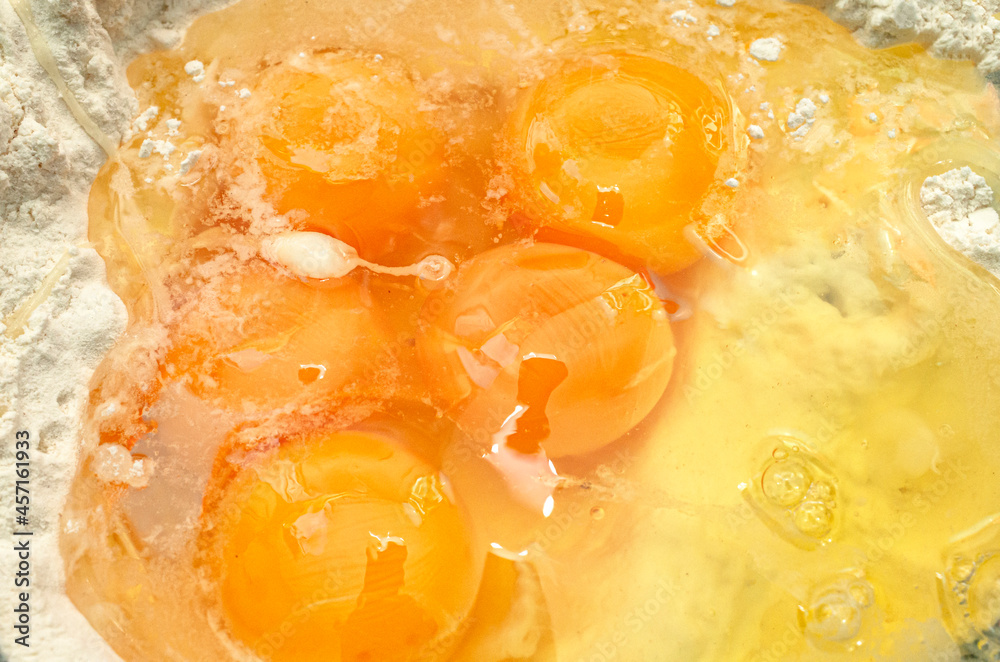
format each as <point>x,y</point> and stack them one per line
<point>586,315</point>
<point>622,151</point>
<point>337,140</point>
<point>323,540</point>
<point>262,340</point>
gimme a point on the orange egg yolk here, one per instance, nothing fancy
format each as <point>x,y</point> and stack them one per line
<point>341,144</point>
<point>342,547</point>
<point>623,149</point>
<point>569,347</point>
<point>358,469</point>
<point>264,340</point>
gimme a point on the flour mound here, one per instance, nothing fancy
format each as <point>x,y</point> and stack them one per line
<point>955,29</point>
<point>959,203</point>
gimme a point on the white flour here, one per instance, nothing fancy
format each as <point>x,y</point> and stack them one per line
<point>960,205</point>
<point>963,29</point>
<point>768,49</point>
<point>47,164</point>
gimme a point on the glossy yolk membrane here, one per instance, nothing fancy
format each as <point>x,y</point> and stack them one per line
<point>246,480</point>
<point>552,334</point>
<point>348,545</point>
<point>342,147</point>
<point>622,149</point>
<point>260,341</point>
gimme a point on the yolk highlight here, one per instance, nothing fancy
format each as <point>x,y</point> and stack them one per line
<point>341,143</point>
<point>623,149</point>
<point>552,327</point>
<point>263,340</point>
<point>357,469</point>
<point>346,547</point>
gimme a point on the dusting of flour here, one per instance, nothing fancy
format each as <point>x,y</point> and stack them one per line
<point>47,164</point>
<point>57,316</point>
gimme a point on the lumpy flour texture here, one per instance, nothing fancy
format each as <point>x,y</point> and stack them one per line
<point>965,29</point>
<point>960,204</point>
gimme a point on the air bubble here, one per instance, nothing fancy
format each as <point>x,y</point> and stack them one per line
<point>961,569</point>
<point>836,611</point>
<point>795,493</point>
<point>786,484</point>
<point>984,598</point>
<point>862,594</point>
<point>834,617</point>
<point>824,491</point>
<point>814,519</point>
<point>970,589</point>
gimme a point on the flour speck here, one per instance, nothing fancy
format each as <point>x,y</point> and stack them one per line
<point>196,70</point>
<point>768,49</point>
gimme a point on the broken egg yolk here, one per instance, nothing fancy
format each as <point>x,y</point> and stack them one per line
<point>549,345</point>
<point>621,149</point>
<point>341,145</point>
<point>262,340</point>
<point>345,547</point>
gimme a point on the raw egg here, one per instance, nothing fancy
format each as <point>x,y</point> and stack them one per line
<point>621,148</point>
<point>261,340</point>
<point>345,545</point>
<point>610,447</point>
<point>567,346</point>
<point>342,146</point>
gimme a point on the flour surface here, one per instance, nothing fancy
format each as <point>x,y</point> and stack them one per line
<point>47,164</point>
<point>961,29</point>
<point>960,204</point>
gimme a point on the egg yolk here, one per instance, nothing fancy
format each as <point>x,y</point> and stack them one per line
<point>558,346</point>
<point>263,340</point>
<point>357,468</point>
<point>340,142</point>
<point>342,546</point>
<point>623,149</point>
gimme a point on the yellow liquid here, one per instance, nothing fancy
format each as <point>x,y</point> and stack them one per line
<point>819,479</point>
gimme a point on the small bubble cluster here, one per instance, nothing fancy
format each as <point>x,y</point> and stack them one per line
<point>796,494</point>
<point>835,613</point>
<point>970,591</point>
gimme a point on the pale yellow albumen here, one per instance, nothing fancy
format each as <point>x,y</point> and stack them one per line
<point>827,445</point>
